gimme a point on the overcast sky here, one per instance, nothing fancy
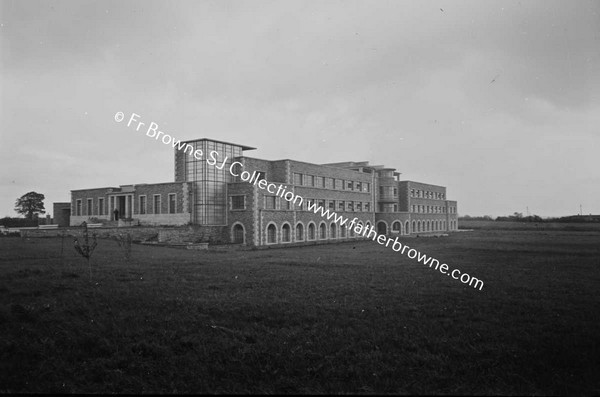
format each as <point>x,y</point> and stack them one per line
<point>498,101</point>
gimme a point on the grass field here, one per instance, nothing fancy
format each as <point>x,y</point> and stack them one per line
<point>557,226</point>
<point>346,318</point>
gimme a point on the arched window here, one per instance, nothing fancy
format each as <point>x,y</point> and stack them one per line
<point>381,227</point>
<point>322,231</point>
<point>351,231</point>
<point>414,228</point>
<point>368,226</point>
<point>406,227</point>
<point>418,226</point>
<point>271,234</point>
<point>332,233</point>
<point>396,226</point>
<point>285,233</point>
<point>299,232</point>
<point>362,229</point>
<point>238,234</point>
<point>311,231</point>
<point>343,231</point>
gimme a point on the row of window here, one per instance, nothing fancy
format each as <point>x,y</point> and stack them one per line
<point>334,231</point>
<point>330,183</point>
<point>275,203</point>
<point>99,210</point>
<point>430,209</point>
<point>426,194</point>
<point>431,226</point>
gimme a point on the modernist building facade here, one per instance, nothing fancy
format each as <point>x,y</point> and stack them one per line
<point>231,210</point>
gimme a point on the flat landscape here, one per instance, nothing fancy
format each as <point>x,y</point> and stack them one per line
<point>344,318</point>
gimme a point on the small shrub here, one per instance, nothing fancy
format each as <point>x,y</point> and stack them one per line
<point>125,241</point>
<point>86,248</point>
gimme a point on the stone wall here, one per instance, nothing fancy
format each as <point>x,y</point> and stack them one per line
<point>137,233</point>
<point>194,234</point>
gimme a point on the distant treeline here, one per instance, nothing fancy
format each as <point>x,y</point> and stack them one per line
<point>18,222</point>
<point>518,217</point>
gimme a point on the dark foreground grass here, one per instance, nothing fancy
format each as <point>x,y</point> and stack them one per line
<point>347,318</point>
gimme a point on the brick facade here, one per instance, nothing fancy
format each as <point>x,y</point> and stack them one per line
<point>147,204</point>
<point>62,214</point>
<point>373,195</point>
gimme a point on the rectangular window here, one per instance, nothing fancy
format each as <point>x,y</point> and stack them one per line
<point>78,208</point>
<point>359,206</point>
<point>297,179</point>
<point>339,184</point>
<point>112,205</point>
<point>350,205</point>
<point>359,186</point>
<point>237,202</point>
<point>381,191</point>
<point>368,186</point>
<point>395,191</point>
<point>367,207</point>
<point>341,205</point>
<point>329,183</point>
<point>89,207</point>
<point>310,180</point>
<point>321,203</point>
<point>261,175</point>
<point>395,207</point>
<point>142,205</point>
<point>156,206</point>
<point>309,202</point>
<point>332,205</point>
<point>270,202</point>
<point>100,206</point>
<point>288,205</point>
<point>349,185</point>
<point>412,193</point>
<point>319,182</point>
<point>306,180</point>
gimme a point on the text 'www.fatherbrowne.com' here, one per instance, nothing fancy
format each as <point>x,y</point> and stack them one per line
<point>214,159</point>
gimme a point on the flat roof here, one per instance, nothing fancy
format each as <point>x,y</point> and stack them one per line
<point>305,162</point>
<point>244,147</point>
<point>423,183</point>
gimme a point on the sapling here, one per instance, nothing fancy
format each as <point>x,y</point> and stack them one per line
<point>86,248</point>
<point>124,241</point>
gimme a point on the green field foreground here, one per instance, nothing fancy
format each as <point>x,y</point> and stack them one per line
<point>344,318</point>
<point>508,225</point>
